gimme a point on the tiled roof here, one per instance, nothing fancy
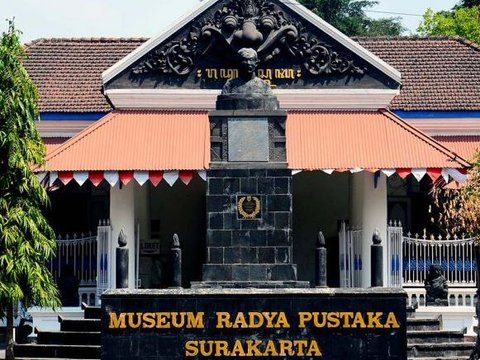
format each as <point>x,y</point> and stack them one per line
<point>438,73</point>
<point>67,72</point>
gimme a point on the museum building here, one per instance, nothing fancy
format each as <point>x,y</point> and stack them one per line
<point>134,143</point>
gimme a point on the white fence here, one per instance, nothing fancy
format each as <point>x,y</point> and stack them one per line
<point>350,256</point>
<point>410,258</point>
<point>104,242</point>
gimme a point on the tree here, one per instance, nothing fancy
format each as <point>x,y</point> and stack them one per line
<point>462,21</point>
<point>349,17</point>
<point>459,209</point>
<point>26,239</point>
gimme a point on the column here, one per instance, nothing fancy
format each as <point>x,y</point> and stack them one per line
<point>368,210</point>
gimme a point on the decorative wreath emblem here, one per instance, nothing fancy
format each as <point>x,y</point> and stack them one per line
<point>249,207</point>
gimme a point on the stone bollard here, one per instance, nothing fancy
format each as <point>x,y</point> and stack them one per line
<point>176,260</point>
<point>321,262</point>
<point>377,260</point>
<point>122,262</point>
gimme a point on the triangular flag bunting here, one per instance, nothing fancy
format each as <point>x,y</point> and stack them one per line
<point>403,173</point>
<point>419,173</point>
<point>202,174</point>
<point>125,176</point>
<point>328,171</point>
<point>170,177</point>
<point>65,176</point>
<point>434,174</point>
<point>388,172</point>
<point>111,177</point>
<point>141,177</point>
<point>53,177</point>
<point>95,177</point>
<point>155,177</point>
<point>80,177</point>
<point>185,176</point>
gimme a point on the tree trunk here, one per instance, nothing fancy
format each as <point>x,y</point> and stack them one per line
<point>10,342</point>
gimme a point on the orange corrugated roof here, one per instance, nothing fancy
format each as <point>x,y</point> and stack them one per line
<point>464,145</point>
<point>137,140</point>
<point>179,140</point>
<point>361,139</point>
<point>51,143</point>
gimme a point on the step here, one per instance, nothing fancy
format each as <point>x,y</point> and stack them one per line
<point>57,351</point>
<point>434,336</point>
<point>414,324</point>
<point>440,358</point>
<point>436,350</point>
<point>92,312</point>
<point>69,337</point>
<point>43,358</point>
<point>89,325</point>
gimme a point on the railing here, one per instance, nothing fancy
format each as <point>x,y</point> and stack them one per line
<point>104,241</point>
<point>76,257</point>
<point>456,256</point>
<point>350,256</point>
<point>394,254</point>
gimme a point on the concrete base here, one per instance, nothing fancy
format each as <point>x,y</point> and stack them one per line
<point>250,284</point>
<point>47,319</point>
<point>453,317</point>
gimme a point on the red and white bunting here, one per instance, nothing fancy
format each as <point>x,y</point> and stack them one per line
<point>80,177</point>
<point>111,177</point>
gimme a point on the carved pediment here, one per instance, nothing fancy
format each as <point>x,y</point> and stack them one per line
<point>293,52</point>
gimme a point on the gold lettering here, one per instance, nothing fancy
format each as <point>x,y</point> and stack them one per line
<point>223,320</point>
<point>358,321</point>
<point>221,349</point>
<point>304,317</point>
<point>314,350</point>
<point>270,349</point>
<point>391,321</point>
<point>131,323</point>
<point>148,320</point>
<point>240,321</point>
<point>347,316</point>
<point>301,345</point>
<point>117,321</point>
<point>195,320</point>
<point>255,320</point>
<point>286,348</point>
<point>252,347</point>
<point>191,348</point>
<point>162,320</point>
<point>237,349</point>
<point>316,322</point>
<point>374,320</point>
<point>282,321</point>
<point>333,320</point>
<point>203,347</point>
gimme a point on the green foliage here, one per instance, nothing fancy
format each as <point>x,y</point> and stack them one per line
<point>26,239</point>
<point>349,17</point>
<point>461,21</point>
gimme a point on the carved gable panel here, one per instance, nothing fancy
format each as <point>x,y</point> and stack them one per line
<point>294,53</point>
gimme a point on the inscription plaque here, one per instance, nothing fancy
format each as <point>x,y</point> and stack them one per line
<point>328,324</point>
<point>248,139</point>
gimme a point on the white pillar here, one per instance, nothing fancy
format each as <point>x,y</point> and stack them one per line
<point>368,210</point>
<point>122,216</point>
<point>142,218</point>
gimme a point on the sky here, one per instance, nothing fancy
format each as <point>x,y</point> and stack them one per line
<point>145,18</point>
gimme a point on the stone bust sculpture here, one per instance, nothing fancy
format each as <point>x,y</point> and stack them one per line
<point>436,287</point>
<point>247,82</point>
<point>247,92</point>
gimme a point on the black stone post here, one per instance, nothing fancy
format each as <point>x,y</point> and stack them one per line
<point>475,355</point>
<point>321,262</point>
<point>376,260</point>
<point>122,261</point>
<point>176,259</point>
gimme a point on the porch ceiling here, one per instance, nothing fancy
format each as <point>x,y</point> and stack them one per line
<point>340,140</point>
